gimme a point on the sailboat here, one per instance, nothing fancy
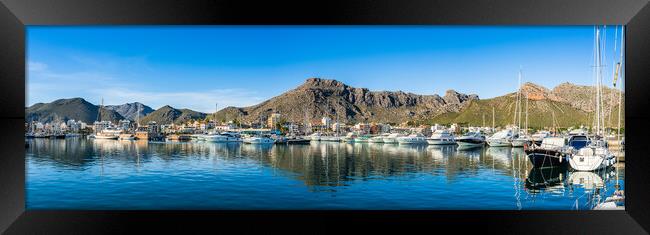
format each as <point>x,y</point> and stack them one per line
<point>109,132</point>
<point>596,155</point>
<point>522,139</point>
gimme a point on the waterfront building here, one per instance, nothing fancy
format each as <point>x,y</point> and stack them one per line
<point>338,126</point>
<point>273,120</point>
<point>436,127</point>
<point>125,124</point>
<point>152,127</point>
<point>226,127</point>
<point>101,125</point>
<point>362,128</point>
<point>454,128</point>
<point>326,121</point>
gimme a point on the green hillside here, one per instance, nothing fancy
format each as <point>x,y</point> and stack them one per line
<point>540,114</point>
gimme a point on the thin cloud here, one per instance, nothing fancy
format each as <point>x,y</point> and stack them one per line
<point>34,66</point>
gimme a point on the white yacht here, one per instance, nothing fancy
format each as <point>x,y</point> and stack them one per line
<point>392,138</point>
<point>349,138</point>
<point>258,140</point>
<point>223,137</point>
<point>593,157</point>
<point>471,139</point>
<point>501,139</point>
<point>377,139</point>
<point>539,136</point>
<point>441,137</point>
<point>315,136</point>
<point>126,137</point>
<point>412,139</point>
<point>334,139</point>
<point>108,133</point>
<point>521,141</point>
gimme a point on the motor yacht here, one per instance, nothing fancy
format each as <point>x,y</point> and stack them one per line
<point>441,137</point>
<point>412,139</point>
<point>502,138</point>
<point>470,140</point>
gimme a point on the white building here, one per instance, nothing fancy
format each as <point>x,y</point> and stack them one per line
<point>326,121</point>
<point>99,126</point>
<point>125,124</point>
<point>227,127</point>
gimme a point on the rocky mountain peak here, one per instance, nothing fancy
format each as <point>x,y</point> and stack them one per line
<point>323,83</point>
<point>453,97</point>
<point>536,92</point>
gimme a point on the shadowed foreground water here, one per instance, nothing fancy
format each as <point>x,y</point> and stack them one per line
<point>111,174</point>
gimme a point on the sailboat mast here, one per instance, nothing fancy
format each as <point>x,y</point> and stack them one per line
<point>519,96</point>
<point>620,93</point>
<point>492,118</point>
<point>99,111</point>
<point>514,118</point>
<point>137,117</point>
<point>598,80</point>
<point>526,113</point>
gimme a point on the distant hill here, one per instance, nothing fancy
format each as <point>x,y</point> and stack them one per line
<point>130,110</point>
<point>168,115</point>
<point>571,104</point>
<point>317,98</point>
<point>66,109</point>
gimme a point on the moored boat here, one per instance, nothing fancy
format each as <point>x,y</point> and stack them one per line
<point>315,136</point>
<point>539,136</point>
<point>378,139</point>
<point>111,134</point>
<point>412,139</point>
<point>392,138</point>
<point>521,141</point>
<point>593,157</point>
<point>258,140</point>
<point>471,140</point>
<point>126,137</point>
<point>349,138</point>
<point>553,152</point>
<point>502,138</point>
<point>441,137</point>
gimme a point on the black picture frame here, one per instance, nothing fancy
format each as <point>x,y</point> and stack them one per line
<point>16,14</point>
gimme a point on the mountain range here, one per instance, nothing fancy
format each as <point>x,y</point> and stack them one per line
<point>66,109</point>
<point>566,104</point>
<point>130,110</point>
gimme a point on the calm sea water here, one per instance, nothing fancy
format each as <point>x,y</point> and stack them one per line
<point>111,174</point>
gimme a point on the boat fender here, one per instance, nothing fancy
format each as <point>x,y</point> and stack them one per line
<point>525,146</point>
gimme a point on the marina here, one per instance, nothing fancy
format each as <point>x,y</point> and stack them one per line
<point>392,134</point>
<point>79,173</point>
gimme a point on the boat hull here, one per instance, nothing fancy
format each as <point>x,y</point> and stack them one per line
<point>99,137</point>
<point>543,158</point>
<point>259,141</point>
<point>591,162</point>
<point>470,143</point>
<point>519,143</point>
<point>409,141</point>
<point>499,143</point>
<point>302,141</point>
<point>440,142</point>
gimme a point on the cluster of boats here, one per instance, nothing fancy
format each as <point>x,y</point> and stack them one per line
<point>55,135</point>
<point>439,137</point>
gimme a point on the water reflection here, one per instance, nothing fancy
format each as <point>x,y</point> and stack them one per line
<point>503,175</point>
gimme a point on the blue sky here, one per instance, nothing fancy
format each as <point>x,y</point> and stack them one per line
<point>195,67</point>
